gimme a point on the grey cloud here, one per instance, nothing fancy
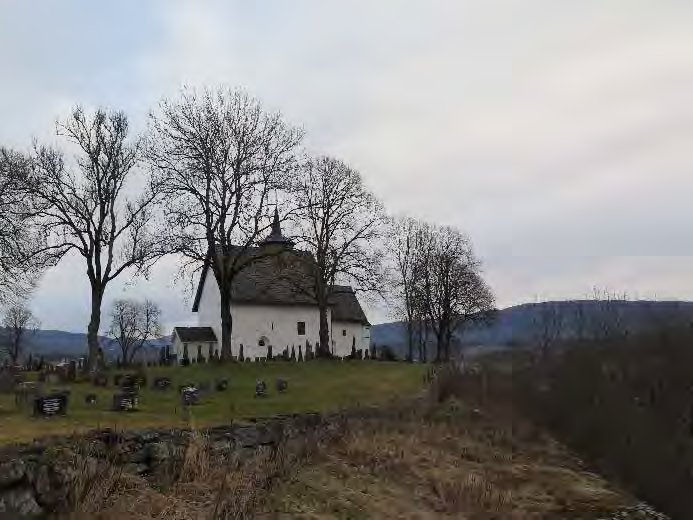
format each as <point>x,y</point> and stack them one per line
<point>555,133</point>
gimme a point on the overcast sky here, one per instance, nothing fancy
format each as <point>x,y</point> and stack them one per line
<point>558,134</point>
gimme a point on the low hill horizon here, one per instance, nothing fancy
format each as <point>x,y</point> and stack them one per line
<point>515,325</point>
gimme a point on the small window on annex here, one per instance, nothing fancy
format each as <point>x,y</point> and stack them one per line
<point>301,328</point>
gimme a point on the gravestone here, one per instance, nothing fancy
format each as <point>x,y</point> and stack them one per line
<point>90,399</point>
<point>190,396</point>
<point>128,381</point>
<point>100,380</point>
<point>71,375</point>
<point>125,402</point>
<point>50,405</point>
<point>261,389</point>
<point>6,382</point>
<point>222,385</point>
<point>140,380</point>
<point>26,392</point>
<point>162,383</point>
<point>282,385</point>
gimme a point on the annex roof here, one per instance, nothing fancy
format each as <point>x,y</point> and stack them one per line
<point>196,334</point>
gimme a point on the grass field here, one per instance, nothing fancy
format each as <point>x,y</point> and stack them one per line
<point>314,386</point>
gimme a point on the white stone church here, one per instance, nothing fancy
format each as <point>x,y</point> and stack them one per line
<point>268,307</point>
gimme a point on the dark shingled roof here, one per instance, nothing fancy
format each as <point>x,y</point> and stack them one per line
<point>196,334</point>
<point>276,280</point>
<point>346,306</point>
<point>284,277</point>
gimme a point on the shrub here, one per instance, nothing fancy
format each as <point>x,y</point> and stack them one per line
<point>387,354</point>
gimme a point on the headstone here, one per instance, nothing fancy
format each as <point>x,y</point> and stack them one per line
<point>125,402</point>
<point>141,380</point>
<point>26,392</point>
<point>190,396</point>
<point>6,382</point>
<point>222,385</point>
<point>162,383</point>
<point>128,381</point>
<point>282,385</point>
<point>50,405</point>
<point>261,389</point>
<point>72,372</point>
<point>100,380</point>
<point>90,399</point>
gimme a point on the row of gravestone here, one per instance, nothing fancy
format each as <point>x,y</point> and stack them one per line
<point>261,390</point>
<point>127,399</point>
<point>56,403</point>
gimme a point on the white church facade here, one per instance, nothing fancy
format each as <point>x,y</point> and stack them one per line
<point>268,308</point>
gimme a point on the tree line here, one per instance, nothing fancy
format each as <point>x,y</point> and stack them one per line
<point>203,183</point>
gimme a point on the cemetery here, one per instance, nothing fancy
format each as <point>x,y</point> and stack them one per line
<point>62,402</point>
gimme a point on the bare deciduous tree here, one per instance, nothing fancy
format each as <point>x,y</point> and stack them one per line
<point>453,291</point>
<point>132,325</point>
<point>88,209</point>
<point>339,221</point>
<point>222,157</point>
<point>19,234</point>
<point>18,323</point>
<point>405,237</point>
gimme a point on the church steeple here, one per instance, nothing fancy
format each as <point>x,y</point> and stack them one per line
<point>276,237</point>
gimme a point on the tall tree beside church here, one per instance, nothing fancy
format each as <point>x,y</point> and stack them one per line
<point>450,286</point>
<point>100,206</point>
<point>19,233</point>
<point>223,158</point>
<point>339,221</point>
<point>406,237</point>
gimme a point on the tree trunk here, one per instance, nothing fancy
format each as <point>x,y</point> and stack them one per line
<point>424,342</point>
<point>14,350</point>
<point>93,328</point>
<point>410,340</point>
<point>226,325</point>
<point>324,350</point>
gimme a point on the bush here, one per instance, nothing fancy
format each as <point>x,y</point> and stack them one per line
<point>387,354</point>
<point>625,404</point>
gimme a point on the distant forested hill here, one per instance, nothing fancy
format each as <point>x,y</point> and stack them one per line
<point>518,325</point>
<point>56,344</point>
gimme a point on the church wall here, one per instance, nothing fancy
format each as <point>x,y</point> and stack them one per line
<point>209,310</point>
<point>342,343</point>
<point>178,347</point>
<point>277,323</point>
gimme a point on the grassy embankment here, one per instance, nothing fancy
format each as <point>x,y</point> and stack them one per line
<point>314,386</point>
<point>469,456</point>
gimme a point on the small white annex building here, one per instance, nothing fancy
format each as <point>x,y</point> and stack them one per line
<point>269,307</point>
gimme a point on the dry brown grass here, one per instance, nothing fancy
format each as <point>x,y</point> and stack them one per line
<point>446,460</point>
<point>440,457</point>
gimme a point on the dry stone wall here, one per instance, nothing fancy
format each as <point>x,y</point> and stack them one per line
<point>37,478</point>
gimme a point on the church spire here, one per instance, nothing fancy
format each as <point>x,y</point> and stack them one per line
<point>276,237</point>
<point>276,225</point>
